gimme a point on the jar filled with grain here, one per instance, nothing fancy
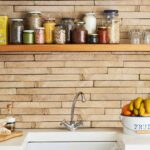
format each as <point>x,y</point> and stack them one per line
<point>69,25</point>
<point>49,26</point>
<point>113,25</point>
<point>16,31</point>
<point>34,20</point>
<point>59,34</point>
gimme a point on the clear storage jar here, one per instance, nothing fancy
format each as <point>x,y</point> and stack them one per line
<point>79,33</point>
<point>39,35</point>
<point>135,36</point>
<point>16,31</point>
<point>34,20</point>
<point>68,25</point>
<point>90,22</point>
<point>49,26</point>
<point>113,25</point>
<point>59,34</point>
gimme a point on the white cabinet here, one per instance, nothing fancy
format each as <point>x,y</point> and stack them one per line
<point>72,146</point>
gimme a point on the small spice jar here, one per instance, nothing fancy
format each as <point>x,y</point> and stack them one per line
<point>34,20</point>
<point>79,33</point>
<point>28,37</point>
<point>92,38</point>
<point>39,35</point>
<point>103,35</point>
<point>68,25</point>
<point>49,26</point>
<point>16,30</point>
<point>59,34</point>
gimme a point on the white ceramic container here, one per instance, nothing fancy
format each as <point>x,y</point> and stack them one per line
<point>136,125</point>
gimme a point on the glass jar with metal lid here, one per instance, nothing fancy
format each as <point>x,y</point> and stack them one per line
<point>93,38</point>
<point>103,37</point>
<point>113,24</point>
<point>39,35</point>
<point>16,31</point>
<point>79,33</point>
<point>49,26</point>
<point>34,20</point>
<point>60,34</point>
<point>68,25</point>
<point>28,37</point>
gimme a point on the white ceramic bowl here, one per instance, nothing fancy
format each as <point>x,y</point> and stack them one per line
<point>135,125</point>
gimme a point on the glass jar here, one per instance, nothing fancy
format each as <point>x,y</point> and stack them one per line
<point>69,25</point>
<point>34,20</point>
<point>28,37</point>
<point>49,26</point>
<point>16,30</point>
<point>90,22</point>
<point>146,37</point>
<point>135,36</point>
<point>79,33</point>
<point>103,37</point>
<point>10,125</point>
<point>113,24</point>
<point>59,34</point>
<point>92,38</point>
<point>39,35</point>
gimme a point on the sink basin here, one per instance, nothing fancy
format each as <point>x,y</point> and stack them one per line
<point>72,141</point>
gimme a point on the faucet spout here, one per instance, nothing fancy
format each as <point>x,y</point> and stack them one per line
<point>73,125</point>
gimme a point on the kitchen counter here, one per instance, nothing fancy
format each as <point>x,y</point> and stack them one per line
<point>126,142</point>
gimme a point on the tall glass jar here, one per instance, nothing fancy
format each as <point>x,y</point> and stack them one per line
<point>79,33</point>
<point>90,22</point>
<point>16,31</point>
<point>59,34</point>
<point>69,25</point>
<point>34,20</point>
<point>113,24</point>
<point>49,26</point>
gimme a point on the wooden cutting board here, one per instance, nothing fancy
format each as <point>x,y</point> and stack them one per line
<point>12,135</point>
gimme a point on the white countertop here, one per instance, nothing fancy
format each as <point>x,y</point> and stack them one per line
<point>127,142</point>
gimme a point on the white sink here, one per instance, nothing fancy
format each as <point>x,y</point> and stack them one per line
<point>72,141</point>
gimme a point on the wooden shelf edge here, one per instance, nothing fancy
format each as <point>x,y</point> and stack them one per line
<point>75,48</point>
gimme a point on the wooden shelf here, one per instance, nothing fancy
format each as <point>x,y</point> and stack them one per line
<point>74,48</point>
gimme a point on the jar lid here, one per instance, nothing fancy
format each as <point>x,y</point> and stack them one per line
<point>67,18</point>
<point>93,34</point>
<point>29,31</point>
<point>80,22</point>
<point>89,13</point>
<point>111,11</point>
<point>50,19</point>
<point>35,12</point>
<point>39,28</point>
<point>102,27</point>
<point>17,19</point>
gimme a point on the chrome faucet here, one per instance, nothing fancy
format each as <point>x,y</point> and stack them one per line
<point>72,125</point>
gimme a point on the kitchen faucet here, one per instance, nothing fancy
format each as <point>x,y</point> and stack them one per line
<point>73,125</point>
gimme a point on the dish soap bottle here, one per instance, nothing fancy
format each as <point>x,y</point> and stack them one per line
<point>10,119</point>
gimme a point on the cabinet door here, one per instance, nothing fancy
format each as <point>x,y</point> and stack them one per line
<point>72,146</point>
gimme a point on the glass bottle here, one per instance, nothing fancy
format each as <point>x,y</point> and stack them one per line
<point>59,34</point>
<point>90,22</point>
<point>69,25</point>
<point>34,20</point>
<point>49,26</point>
<point>10,119</point>
<point>113,24</point>
<point>79,33</point>
<point>16,31</point>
